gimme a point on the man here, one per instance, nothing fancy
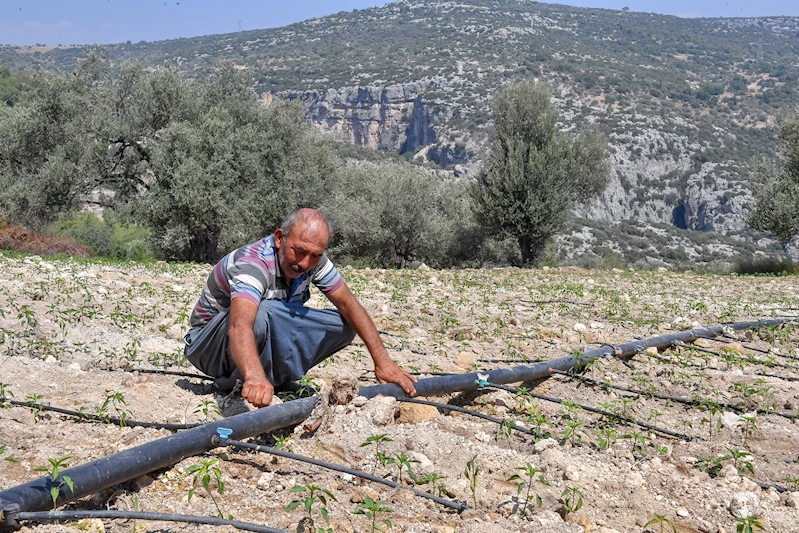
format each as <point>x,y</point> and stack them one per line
<point>250,323</point>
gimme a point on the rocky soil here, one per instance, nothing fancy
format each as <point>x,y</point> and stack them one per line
<point>76,333</point>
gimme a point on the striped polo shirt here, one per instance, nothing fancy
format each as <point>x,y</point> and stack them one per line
<point>253,272</point>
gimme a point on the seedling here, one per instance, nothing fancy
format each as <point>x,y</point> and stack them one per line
<point>312,495</point>
<point>433,478</point>
<point>749,426</point>
<point>376,440</point>
<point>739,460</point>
<point>639,441</point>
<point>209,410</point>
<point>538,420</point>
<point>282,441</point>
<point>531,474</point>
<point>572,499</point>
<point>712,409</point>
<point>7,458</point>
<point>747,525</point>
<point>55,469</point>
<point>572,433</point>
<point>471,473</point>
<point>607,438</point>
<point>663,523</point>
<point>202,472</point>
<point>115,400</point>
<point>505,429</point>
<point>403,461</point>
<point>5,394</point>
<point>33,402</point>
<point>372,510</point>
<point>793,481</point>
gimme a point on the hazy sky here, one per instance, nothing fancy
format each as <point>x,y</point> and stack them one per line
<point>111,21</point>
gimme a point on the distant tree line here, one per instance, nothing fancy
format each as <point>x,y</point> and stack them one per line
<point>193,169</point>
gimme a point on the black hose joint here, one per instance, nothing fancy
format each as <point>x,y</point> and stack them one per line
<point>8,514</point>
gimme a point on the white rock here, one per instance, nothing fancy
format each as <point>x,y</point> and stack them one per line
<point>544,444</point>
<point>683,512</point>
<point>634,479</point>
<point>75,367</point>
<point>424,461</point>
<point>596,325</point>
<point>580,327</point>
<point>380,410</point>
<point>730,473</point>
<point>359,401</point>
<point>730,420</point>
<point>744,504</point>
<point>571,473</point>
<point>265,481</point>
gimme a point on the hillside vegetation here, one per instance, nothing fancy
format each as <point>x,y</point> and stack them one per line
<point>689,105</point>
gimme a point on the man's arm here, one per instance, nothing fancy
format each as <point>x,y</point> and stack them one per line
<point>386,370</point>
<point>256,389</point>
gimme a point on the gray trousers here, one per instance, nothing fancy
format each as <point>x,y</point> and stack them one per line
<point>290,338</point>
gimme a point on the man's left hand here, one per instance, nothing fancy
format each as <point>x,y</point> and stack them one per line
<point>390,372</point>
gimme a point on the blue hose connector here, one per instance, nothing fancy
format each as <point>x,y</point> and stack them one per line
<point>224,433</point>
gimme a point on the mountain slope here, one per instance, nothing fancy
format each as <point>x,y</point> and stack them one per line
<point>687,104</point>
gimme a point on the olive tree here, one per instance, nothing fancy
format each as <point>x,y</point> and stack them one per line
<point>534,174</point>
<point>203,164</point>
<point>393,213</point>
<point>777,193</point>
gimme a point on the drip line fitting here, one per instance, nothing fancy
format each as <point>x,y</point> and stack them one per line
<point>48,516</point>
<point>221,441</point>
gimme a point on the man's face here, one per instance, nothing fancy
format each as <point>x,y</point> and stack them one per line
<point>301,251</point>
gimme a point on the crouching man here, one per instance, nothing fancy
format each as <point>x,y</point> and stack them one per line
<point>250,323</point>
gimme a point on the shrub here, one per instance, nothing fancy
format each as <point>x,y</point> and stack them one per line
<point>107,238</point>
<point>24,240</point>
<point>765,265</point>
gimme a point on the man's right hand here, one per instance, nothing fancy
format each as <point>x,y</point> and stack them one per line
<point>257,392</point>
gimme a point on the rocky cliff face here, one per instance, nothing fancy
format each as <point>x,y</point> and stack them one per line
<point>393,118</point>
<point>389,119</point>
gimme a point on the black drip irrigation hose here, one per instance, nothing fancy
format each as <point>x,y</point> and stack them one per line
<point>778,488</point>
<point>678,399</point>
<point>602,412</point>
<point>728,339</point>
<point>89,417</point>
<point>171,373</point>
<point>717,368</point>
<point>735,357</point>
<point>130,463</point>
<point>338,468</point>
<point>49,516</point>
<point>478,414</point>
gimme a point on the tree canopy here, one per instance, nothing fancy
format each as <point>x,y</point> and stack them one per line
<point>535,175</point>
<point>206,166</point>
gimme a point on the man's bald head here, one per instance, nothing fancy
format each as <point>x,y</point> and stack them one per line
<point>309,222</point>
